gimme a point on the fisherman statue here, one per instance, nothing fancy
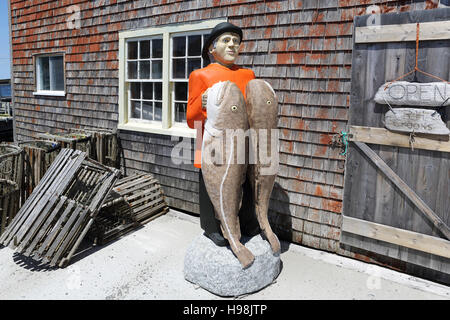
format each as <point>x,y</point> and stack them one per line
<point>225,99</point>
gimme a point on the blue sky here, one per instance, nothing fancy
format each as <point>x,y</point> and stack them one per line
<point>4,41</point>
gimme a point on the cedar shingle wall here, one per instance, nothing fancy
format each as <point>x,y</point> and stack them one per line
<point>302,47</point>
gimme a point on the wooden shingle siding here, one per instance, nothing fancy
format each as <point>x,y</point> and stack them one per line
<point>303,48</point>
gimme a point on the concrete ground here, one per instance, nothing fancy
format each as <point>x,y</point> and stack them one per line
<point>148,264</point>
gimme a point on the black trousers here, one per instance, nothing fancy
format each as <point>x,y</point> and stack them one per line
<point>247,215</point>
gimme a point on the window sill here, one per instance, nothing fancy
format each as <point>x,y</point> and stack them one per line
<point>150,128</point>
<point>50,93</point>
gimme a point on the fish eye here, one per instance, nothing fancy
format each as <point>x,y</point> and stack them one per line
<point>269,102</point>
<point>233,108</point>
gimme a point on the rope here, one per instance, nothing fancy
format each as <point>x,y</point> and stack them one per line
<point>416,67</point>
<point>412,140</point>
<point>345,142</point>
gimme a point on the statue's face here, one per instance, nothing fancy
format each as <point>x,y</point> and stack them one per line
<point>227,48</point>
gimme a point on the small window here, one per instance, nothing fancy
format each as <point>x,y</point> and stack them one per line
<point>50,74</point>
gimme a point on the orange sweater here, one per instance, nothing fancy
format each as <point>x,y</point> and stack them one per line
<point>202,79</point>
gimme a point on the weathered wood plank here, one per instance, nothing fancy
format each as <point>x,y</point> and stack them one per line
<point>385,137</point>
<point>438,30</point>
<point>397,236</point>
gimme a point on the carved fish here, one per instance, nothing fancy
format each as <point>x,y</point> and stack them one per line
<point>262,111</point>
<point>223,168</point>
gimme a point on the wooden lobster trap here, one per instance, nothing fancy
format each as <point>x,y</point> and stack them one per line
<point>11,171</point>
<point>70,139</point>
<point>38,156</point>
<point>53,221</point>
<point>100,144</point>
<point>11,162</point>
<point>9,202</point>
<point>104,145</point>
<point>134,201</point>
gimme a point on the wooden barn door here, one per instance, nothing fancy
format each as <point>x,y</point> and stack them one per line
<point>396,194</point>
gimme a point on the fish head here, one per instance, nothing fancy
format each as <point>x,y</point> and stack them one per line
<point>225,107</point>
<point>261,104</point>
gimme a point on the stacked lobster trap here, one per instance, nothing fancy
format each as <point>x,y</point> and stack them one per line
<point>56,217</point>
<point>99,144</point>
<point>55,193</point>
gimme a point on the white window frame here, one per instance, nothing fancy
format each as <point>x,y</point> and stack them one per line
<point>38,91</point>
<point>173,80</point>
<point>167,126</point>
<point>154,122</point>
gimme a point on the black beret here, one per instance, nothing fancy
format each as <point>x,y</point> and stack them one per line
<point>217,31</point>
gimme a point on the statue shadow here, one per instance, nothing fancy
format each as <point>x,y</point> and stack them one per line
<point>280,216</point>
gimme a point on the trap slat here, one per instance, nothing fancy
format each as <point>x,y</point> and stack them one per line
<point>47,223</point>
<point>54,231</point>
<point>38,223</point>
<point>61,234</point>
<point>80,217</point>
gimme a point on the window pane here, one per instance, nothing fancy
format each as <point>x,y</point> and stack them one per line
<point>144,69</point>
<point>194,64</point>
<point>147,110</point>
<point>157,50</point>
<point>56,73</point>
<point>132,50</point>
<point>158,111</point>
<point>136,109</point>
<point>204,63</point>
<point>135,88</point>
<point>157,69</point>
<point>158,90</point>
<point>44,73</point>
<point>179,46</point>
<point>147,90</point>
<point>181,91</point>
<point>132,70</point>
<point>144,49</point>
<point>194,45</point>
<point>179,68</point>
<point>180,112</point>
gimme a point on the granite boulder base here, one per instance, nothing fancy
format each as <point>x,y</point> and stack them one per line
<point>217,270</point>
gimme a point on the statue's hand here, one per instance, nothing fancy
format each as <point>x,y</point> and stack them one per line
<point>205,99</point>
